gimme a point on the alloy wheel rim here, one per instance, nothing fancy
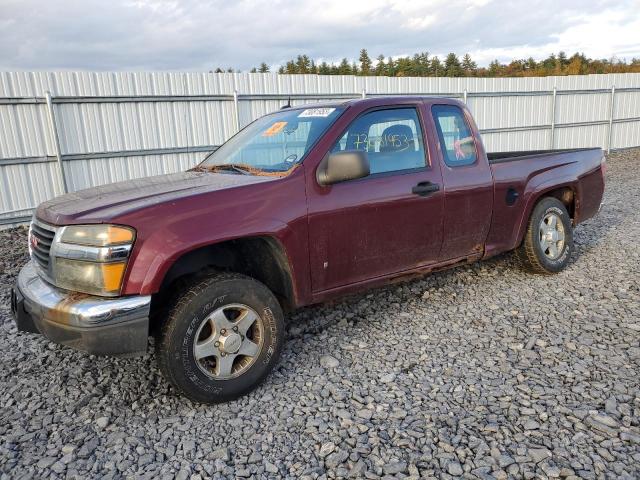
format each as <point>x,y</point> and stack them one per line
<point>552,236</point>
<point>228,341</point>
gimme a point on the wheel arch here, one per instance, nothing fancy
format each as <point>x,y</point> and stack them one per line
<point>261,257</point>
<point>566,194</point>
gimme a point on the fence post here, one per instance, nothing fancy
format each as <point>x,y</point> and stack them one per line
<point>187,121</point>
<point>56,140</point>
<point>236,107</point>
<point>611,111</point>
<point>364,93</point>
<point>464,96</point>
<point>553,117</point>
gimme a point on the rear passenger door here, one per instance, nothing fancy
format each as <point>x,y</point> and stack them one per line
<point>388,222</point>
<point>468,182</point>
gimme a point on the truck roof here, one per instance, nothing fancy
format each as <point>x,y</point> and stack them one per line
<point>374,101</point>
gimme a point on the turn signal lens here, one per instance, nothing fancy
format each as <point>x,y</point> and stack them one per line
<point>97,235</point>
<point>112,276</point>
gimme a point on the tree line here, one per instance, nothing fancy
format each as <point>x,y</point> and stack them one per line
<point>424,65</point>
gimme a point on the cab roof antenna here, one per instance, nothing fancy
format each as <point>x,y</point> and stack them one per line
<point>287,105</point>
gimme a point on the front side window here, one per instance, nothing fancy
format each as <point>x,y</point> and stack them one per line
<point>456,139</point>
<point>392,139</point>
<point>273,144</point>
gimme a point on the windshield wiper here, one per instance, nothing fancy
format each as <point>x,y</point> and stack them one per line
<point>243,169</point>
<point>228,166</point>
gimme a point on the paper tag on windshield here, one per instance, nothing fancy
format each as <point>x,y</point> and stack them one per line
<point>317,112</point>
<point>273,129</point>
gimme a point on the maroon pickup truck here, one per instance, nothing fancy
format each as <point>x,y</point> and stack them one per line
<point>301,206</point>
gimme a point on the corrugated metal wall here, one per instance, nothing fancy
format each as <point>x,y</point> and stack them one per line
<point>115,126</point>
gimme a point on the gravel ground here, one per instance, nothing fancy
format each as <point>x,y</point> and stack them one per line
<point>479,372</point>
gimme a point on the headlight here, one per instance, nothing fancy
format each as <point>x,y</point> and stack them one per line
<point>97,235</point>
<point>88,277</point>
<point>91,259</point>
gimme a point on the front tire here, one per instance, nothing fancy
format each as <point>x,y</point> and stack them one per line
<point>221,339</point>
<point>548,241</point>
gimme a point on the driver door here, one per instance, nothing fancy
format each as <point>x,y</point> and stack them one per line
<point>384,223</point>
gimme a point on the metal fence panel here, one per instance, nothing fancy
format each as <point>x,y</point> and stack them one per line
<point>26,185</point>
<point>506,141</point>
<point>586,107</point>
<point>581,137</point>
<point>625,135</point>
<point>504,112</point>
<point>88,173</point>
<point>627,105</point>
<point>115,126</point>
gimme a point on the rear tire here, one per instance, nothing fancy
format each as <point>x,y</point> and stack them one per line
<point>548,241</point>
<point>221,338</point>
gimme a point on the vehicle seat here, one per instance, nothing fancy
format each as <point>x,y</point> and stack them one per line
<point>397,138</point>
<point>397,151</point>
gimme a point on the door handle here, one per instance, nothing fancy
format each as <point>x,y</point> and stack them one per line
<point>425,188</point>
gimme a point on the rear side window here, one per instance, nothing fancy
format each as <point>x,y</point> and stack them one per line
<point>456,139</point>
<point>392,139</point>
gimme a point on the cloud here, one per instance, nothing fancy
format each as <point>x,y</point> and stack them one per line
<point>205,34</point>
<point>421,22</point>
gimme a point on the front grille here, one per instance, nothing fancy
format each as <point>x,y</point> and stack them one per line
<point>40,243</point>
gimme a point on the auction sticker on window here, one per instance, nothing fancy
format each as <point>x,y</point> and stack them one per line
<point>317,112</point>
<point>273,129</point>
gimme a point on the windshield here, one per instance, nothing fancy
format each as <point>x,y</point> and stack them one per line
<point>273,144</point>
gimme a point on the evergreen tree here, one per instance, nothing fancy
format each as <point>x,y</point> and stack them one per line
<point>494,68</point>
<point>324,69</point>
<point>291,67</point>
<point>436,67</point>
<point>391,67</point>
<point>365,62</point>
<point>549,63</point>
<point>380,66</point>
<point>303,64</point>
<point>468,65</point>
<point>562,58</point>
<point>404,67</point>
<point>424,64</point>
<point>560,61</point>
<point>344,68</point>
<point>452,66</point>
<point>420,64</point>
<point>414,68</point>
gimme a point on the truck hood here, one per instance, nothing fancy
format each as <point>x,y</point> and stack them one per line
<point>107,202</point>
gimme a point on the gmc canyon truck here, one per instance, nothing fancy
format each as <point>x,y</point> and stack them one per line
<point>302,205</point>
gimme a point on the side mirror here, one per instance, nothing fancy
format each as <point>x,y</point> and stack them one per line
<point>342,166</point>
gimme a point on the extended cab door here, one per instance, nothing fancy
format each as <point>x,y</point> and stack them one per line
<point>388,222</point>
<point>468,182</point>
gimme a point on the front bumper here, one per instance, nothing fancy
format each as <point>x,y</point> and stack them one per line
<point>97,325</point>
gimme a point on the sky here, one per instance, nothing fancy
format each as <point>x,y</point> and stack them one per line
<point>198,35</point>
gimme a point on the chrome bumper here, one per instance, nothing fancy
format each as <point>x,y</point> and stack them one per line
<point>98,325</point>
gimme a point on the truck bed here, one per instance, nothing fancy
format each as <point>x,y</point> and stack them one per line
<point>519,177</point>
